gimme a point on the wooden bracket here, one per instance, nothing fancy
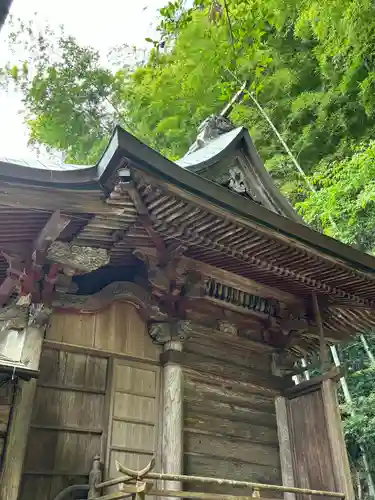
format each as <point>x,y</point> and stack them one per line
<point>313,384</point>
<point>171,356</point>
<point>28,273</point>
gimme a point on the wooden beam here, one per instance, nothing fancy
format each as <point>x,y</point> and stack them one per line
<point>51,231</point>
<point>51,199</point>
<point>14,271</point>
<point>285,445</point>
<point>144,217</point>
<point>339,453</point>
<point>19,426</point>
<point>37,252</point>
<point>228,278</point>
<point>313,384</point>
<point>173,419</point>
<point>323,345</point>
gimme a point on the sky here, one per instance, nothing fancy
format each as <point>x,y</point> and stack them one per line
<point>101,25</point>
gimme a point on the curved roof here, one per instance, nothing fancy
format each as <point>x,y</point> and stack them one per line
<point>210,154</point>
<point>4,10</point>
<point>124,148</point>
<point>216,225</point>
<point>225,150</point>
<point>42,165</point>
<point>38,172</point>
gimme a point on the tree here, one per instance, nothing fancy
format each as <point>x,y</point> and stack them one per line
<point>346,194</point>
<point>308,62</point>
<point>310,65</point>
<point>69,97</point>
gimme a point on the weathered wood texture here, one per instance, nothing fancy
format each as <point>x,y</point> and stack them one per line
<point>173,417</point>
<point>116,330</point>
<point>91,399</point>
<point>337,442</point>
<point>285,444</point>
<point>133,435</point>
<point>19,423</point>
<point>6,393</point>
<point>313,464</point>
<point>230,426</point>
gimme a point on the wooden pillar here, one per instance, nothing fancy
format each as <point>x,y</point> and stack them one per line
<point>173,419</point>
<point>285,446</point>
<point>339,453</point>
<point>11,476</point>
<point>322,341</point>
<point>336,438</point>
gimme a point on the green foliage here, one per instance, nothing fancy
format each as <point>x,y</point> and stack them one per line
<point>309,63</point>
<point>71,99</point>
<point>359,417</point>
<point>68,97</point>
<point>345,193</point>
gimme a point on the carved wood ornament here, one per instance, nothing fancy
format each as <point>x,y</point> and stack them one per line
<point>117,291</point>
<point>172,283</point>
<point>76,257</point>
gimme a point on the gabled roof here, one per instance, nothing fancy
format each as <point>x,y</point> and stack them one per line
<point>257,241</point>
<point>125,149</point>
<point>233,161</point>
<point>4,10</point>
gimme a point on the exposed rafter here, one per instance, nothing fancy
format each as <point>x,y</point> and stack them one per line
<point>27,272</point>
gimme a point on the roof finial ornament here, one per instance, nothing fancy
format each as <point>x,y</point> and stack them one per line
<point>215,125</point>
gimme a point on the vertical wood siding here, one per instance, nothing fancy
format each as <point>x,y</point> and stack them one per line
<point>134,416</point>
<point>5,408</point>
<point>90,403</point>
<point>312,453</point>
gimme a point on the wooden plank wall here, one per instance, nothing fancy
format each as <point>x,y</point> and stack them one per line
<point>134,415</point>
<point>6,393</point>
<point>313,467</point>
<point>11,345</point>
<point>230,423</point>
<point>76,398</point>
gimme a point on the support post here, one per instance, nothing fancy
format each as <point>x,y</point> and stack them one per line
<point>339,453</point>
<point>95,477</point>
<point>349,401</point>
<point>172,445</point>
<point>323,345</point>
<point>11,476</point>
<point>335,432</point>
<point>286,454</point>
<point>284,437</point>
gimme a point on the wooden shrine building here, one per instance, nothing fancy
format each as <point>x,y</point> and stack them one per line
<point>4,10</point>
<point>152,308</point>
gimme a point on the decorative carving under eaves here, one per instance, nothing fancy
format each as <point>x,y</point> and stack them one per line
<point>173,278</point>
<point>236,297</point>
<point>39,315</point>
<point>64,284</point>
<point>117,291</point>
<point>226,327</point>
<point>237,180</point>
<point>194,285</point>
<point>84,259</point>
<point>162,332</point>
<point>14,317</point>
<point>211,128</point>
